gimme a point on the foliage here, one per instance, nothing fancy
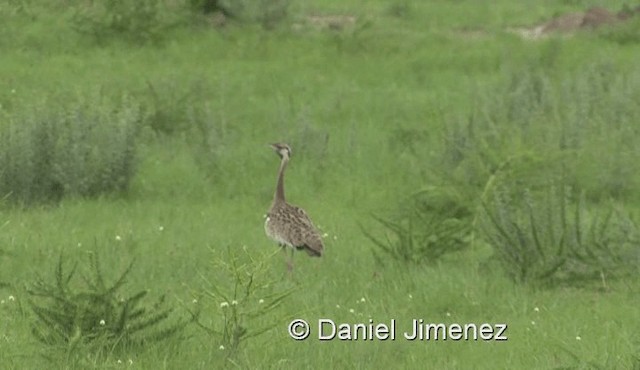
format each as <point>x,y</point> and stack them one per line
<point>246,295</point>
<point>546,235</point>
<point>172,107</point>
<point>267,13</point>
<point>400,9</point>
<point>207,6</point>
<point>136,21</point>
<point>358,87</point>
<point>431,223</point>
<point>624,33</point>
<point>85,148</point>
<point>210,139</point>
<point>96,316</point>
<point>587,118</point>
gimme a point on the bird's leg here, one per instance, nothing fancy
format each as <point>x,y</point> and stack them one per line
<point>290,262</point>
<point>286,259</point>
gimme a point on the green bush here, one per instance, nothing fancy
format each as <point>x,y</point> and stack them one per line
<point>624,33</point>
<point>84,148</point>
<point>96,316</point>
<point>136,21</point>
<point>429,224</point>
<point>173,107</point>
<point>242,288</point>
<point>590,119</point>
<point>547,234</point>
<point>267,13</point>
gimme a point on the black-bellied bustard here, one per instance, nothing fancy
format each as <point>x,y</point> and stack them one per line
<point>288,225</point>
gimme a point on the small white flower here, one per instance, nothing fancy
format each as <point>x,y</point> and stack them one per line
<point>261,301</point>
<point>234,302</point>
<point>325,235</point>
<point>533,322</point>
<point>224,304</point>
<point>337,306</point>
<point>536,309</point>
<point>194,301</point>
<point>221,347</point>
<point>160,228</point>
<point>12,298</point>
<point>130,362</point>
<point>578,338</point>
<point>118,238</point>
<point>2,301</point>
<point>362,300</point>
<point>410,296</point>
<point>119,361</point>
<point>102,323</point>
<point>351,310</point>
<point>448,314</point>
<point>79,245</point>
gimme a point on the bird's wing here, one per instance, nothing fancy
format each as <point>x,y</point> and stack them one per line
<point>307,235</point>
<point>304,217</point>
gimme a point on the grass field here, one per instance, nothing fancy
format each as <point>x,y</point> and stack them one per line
<point>412,98</point>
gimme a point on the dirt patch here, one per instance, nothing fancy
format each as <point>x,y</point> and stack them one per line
<point>570,23</point>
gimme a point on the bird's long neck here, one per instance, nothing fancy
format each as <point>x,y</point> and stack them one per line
<point>279,196</point>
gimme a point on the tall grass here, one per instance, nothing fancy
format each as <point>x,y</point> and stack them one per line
<point>86,147</point>
<point>477,127</point>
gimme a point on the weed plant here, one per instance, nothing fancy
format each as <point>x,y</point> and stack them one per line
<point>246,296</point>
<point>85,148</point>
<point>97,316</point>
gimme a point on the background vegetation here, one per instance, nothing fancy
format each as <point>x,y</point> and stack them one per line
<point>459,172</point>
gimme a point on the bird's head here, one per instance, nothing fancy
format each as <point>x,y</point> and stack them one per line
<point>283,150</point>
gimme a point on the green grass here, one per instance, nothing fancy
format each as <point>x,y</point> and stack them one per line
<point>386,95</point>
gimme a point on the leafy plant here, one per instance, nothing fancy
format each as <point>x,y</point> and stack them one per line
<point>587,118</point>
<point>83,148</point>
<point>246,296</point>
<point>173,108</point>
<point>626,32</point>
<point>266,13</point>
<point>547,235</point>
<point>96,316</point>
<point>137,21</point>
<point>431,223</point>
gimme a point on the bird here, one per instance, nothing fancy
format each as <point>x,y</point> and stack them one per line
<point>289,225</point>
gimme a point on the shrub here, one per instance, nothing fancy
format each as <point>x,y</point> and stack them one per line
<point>211,140</point>
<point>86,148</point>
<point>589,119</point>
<point>546,235</point>
<point>137,21</point>
<point>624,33</point>
<point>266,13</point>
<point>245,295</point>
<point>173,108</point>
<point>430,224</point>
<point>96,316</point>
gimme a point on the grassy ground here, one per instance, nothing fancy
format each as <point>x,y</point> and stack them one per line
<point>366,111</point>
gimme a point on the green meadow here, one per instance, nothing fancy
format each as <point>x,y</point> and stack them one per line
<point>459,173</point>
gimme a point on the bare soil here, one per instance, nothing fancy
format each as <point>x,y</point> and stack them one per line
<point>570,23</point>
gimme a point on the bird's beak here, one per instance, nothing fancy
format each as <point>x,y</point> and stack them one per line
<point>273,146</point>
